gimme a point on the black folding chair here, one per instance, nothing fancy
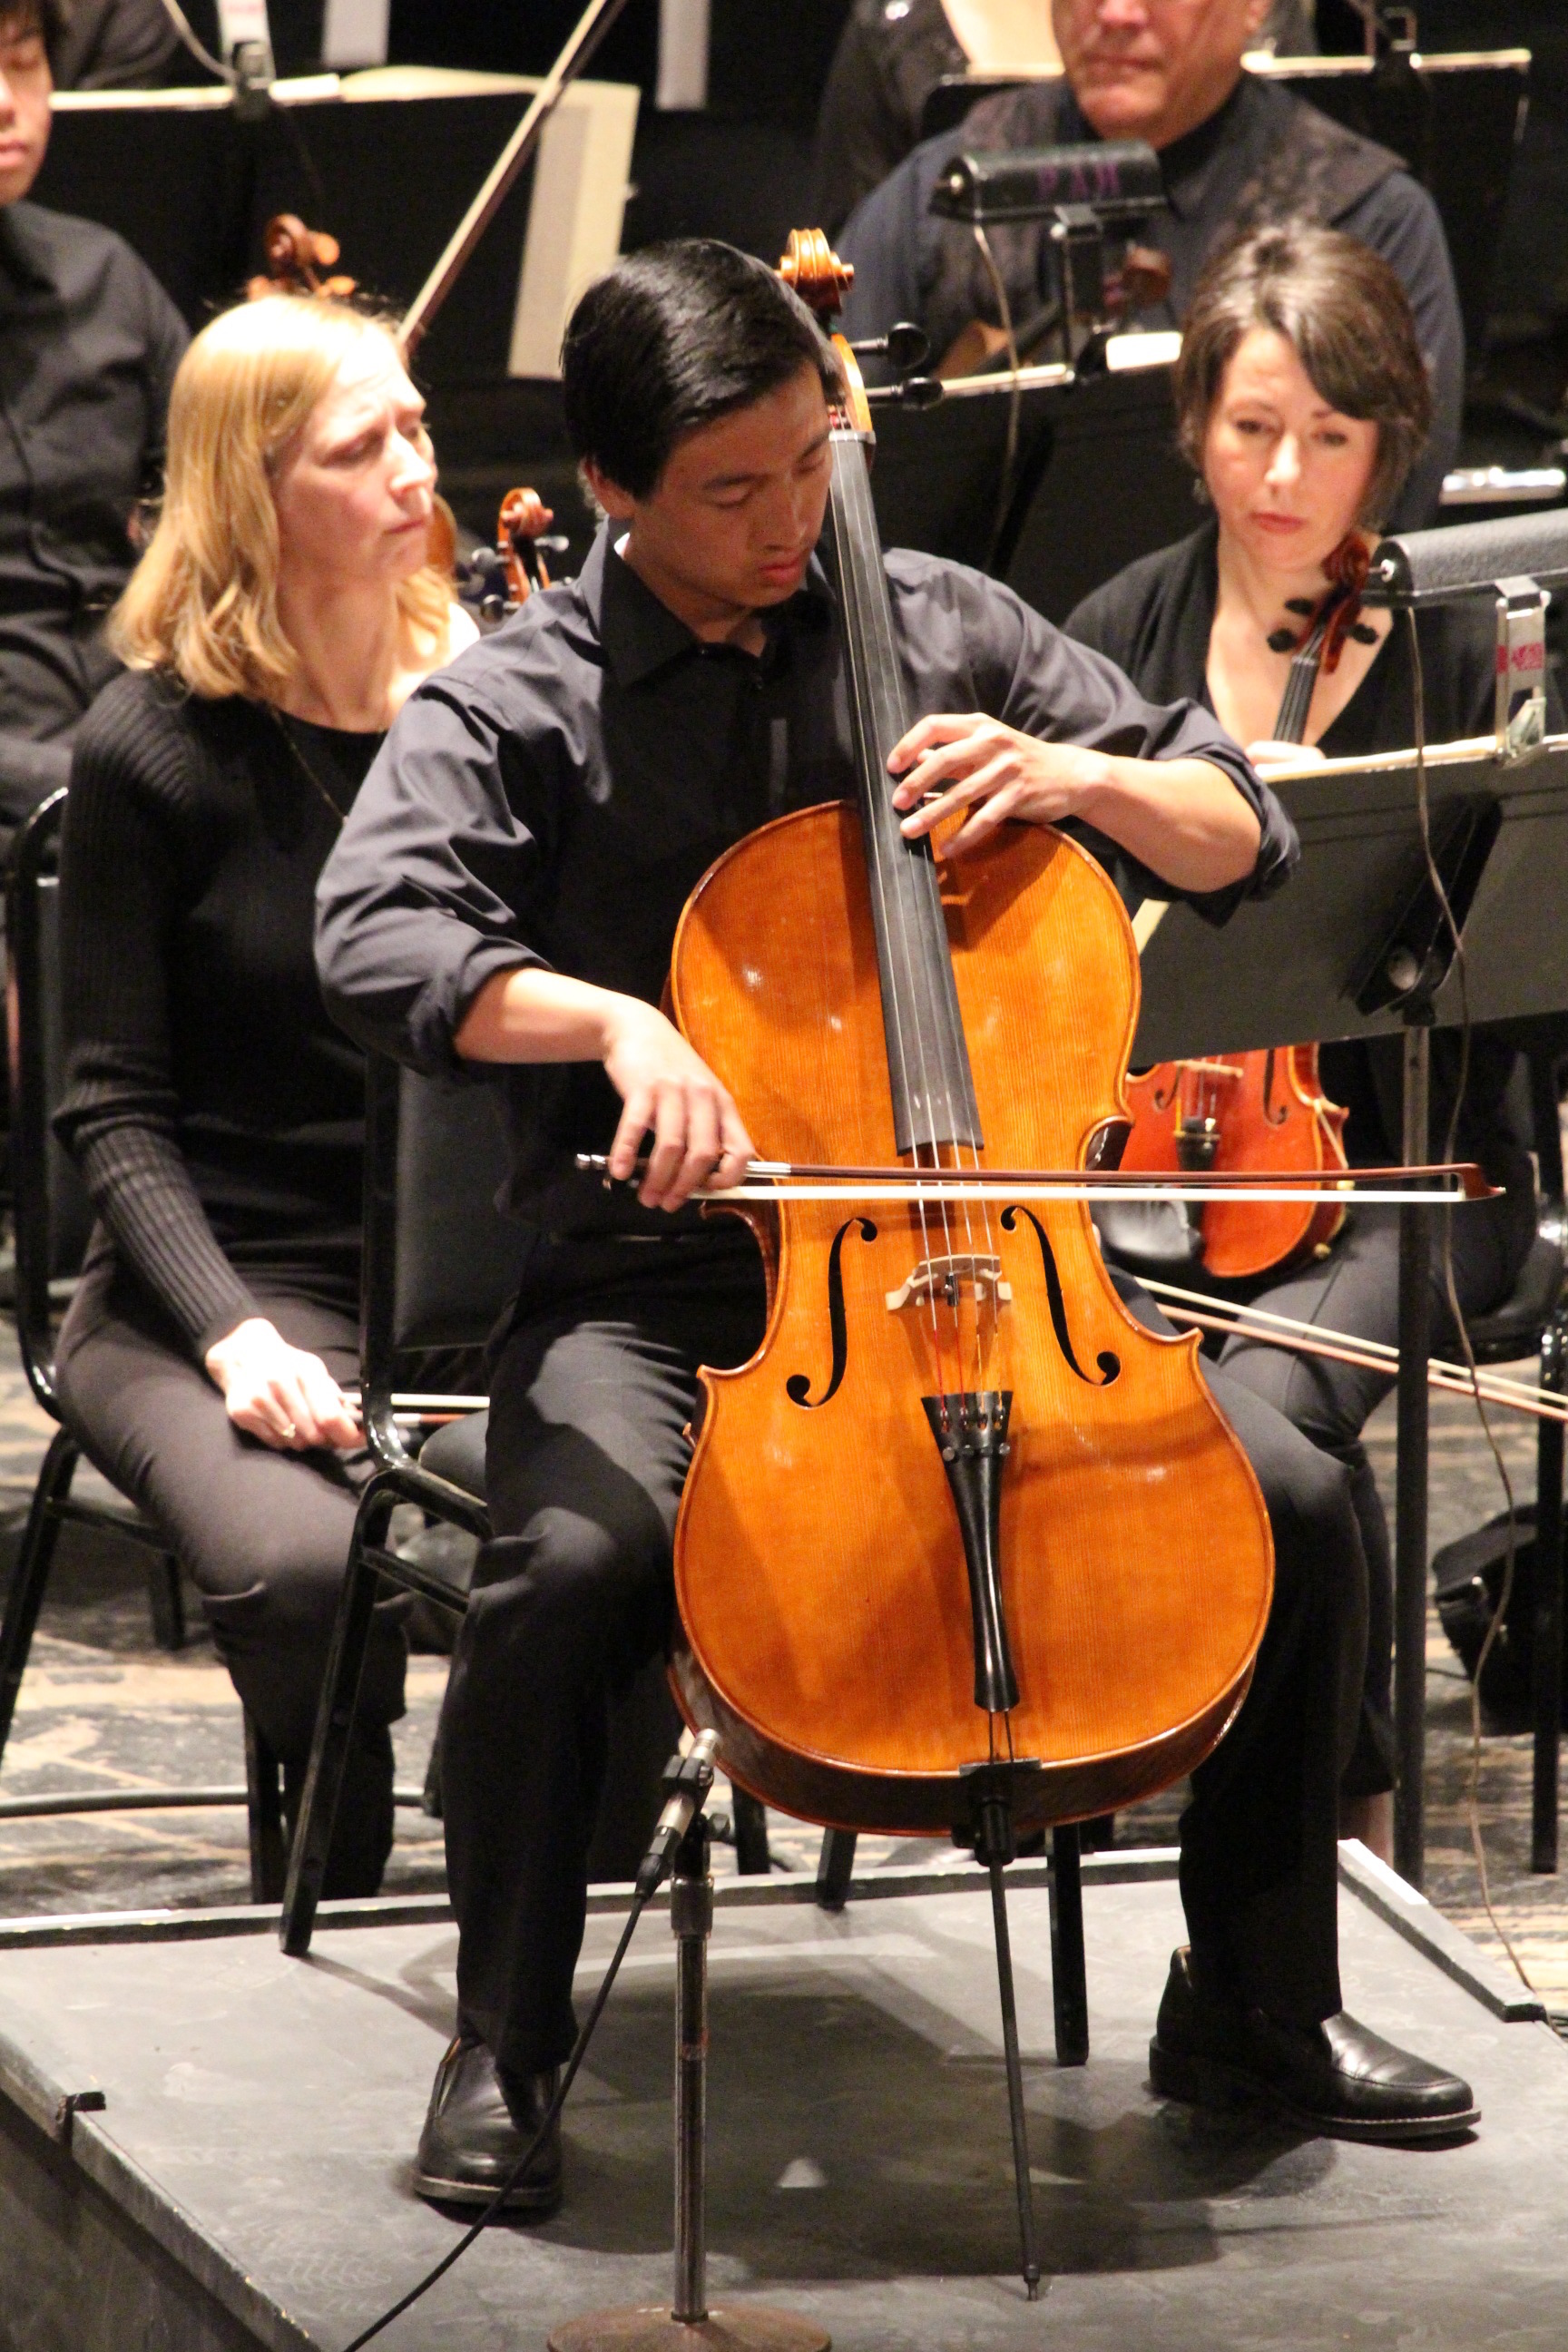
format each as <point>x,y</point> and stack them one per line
<point>440,1264</point>
<point>53,1219</point>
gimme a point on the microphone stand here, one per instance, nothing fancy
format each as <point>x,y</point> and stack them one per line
<point>688,2324</point>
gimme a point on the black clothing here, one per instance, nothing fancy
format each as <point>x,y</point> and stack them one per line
<point>591,1390</point>
<point>1264,155</point>
<point>88,346</point>
<point>114,45</point>
<point>264,1535</point>
<point>554,794</point>
<point>216,1114</point>
<point>1154,619</point>
<point>890,56</point>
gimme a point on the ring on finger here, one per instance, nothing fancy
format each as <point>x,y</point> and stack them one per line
<point>289,1432</point>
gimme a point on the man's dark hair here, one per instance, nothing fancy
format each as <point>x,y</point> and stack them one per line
<point>48,18</point>
<point>673,337</point>
<point>1349,319</point>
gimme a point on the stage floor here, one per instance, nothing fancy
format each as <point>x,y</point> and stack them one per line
<point>246,2181</point>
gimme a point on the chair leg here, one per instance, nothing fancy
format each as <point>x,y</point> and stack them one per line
<point>750,1816</point>
<point>34,1560</point>
<point>1548,1643</point>
<point>1069,1979</point>
<point>166,1599</point>
<point>835,1868</point>
<point>335,1722</point>
<point>264,1805</point>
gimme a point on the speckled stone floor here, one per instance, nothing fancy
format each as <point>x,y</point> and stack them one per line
<point>102,1707</point>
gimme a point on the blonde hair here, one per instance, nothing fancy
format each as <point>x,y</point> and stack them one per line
<point>202,602</point>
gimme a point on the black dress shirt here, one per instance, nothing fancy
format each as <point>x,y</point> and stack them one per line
<point>1263,155</point>
<point>552,797</point>
<point>88,346</point>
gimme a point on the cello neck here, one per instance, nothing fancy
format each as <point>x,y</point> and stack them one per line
<point>928,1060</point>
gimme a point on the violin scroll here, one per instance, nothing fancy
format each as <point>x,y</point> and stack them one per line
<point>523,520</point>
<point>296,257</point>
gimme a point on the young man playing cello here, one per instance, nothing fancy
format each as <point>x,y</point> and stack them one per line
<point>506,892</point>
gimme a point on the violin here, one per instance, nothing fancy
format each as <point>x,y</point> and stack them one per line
<point>520,541</point>
<point>498,581</point>
<point>296,257</point>
<point>962,1533</point>
<point>1264,1109</point>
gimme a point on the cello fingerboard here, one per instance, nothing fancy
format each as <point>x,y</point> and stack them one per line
<point>928,1060</point>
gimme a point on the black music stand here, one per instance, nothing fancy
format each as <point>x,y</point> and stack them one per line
<point>1314,962</point>
<point>1096,479</point>
<point>1453,117</point>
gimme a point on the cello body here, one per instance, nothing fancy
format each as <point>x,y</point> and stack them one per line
<point>1261,1111</point>
<point>826,1614</point>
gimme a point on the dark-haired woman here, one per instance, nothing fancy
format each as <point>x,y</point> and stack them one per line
<point>1303,402</point>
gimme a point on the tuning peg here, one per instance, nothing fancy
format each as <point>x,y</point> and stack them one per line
<point>907,345</point>
<point>921,391</point>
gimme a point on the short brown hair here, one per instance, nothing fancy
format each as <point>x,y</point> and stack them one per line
<point>1350,323</point>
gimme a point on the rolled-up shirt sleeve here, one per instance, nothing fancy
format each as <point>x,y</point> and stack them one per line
<point>1030,675</point>
<point>416,908</point>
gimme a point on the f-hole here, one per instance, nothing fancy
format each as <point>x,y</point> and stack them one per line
<point>1109,1363</point>
<point>797,1388</point>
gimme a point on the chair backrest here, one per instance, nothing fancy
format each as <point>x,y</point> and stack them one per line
<point>52,1213</point>
<point>440,1260</point>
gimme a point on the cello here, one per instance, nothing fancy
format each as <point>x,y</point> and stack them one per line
<point>1266,1108</point>
<point>913,1556</point>
<point>967,1376</point>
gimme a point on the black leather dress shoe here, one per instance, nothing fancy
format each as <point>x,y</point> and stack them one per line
<point>475,2132</point>
<point>1339,2079</point>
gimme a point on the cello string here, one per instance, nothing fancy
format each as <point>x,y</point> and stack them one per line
<point>932,1008</point>
<point>852,588</point>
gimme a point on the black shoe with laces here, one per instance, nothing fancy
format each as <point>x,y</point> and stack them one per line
<point>476,2131</point>
<point>1338,2079</point>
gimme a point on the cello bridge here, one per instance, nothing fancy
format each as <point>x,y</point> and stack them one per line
<point>944,1280</point>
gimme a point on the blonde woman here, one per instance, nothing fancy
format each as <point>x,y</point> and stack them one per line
<point>286,607</point>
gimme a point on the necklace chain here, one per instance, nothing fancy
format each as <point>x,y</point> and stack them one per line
<point>306,769</point>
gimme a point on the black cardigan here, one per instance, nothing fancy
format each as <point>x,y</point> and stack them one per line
<point>1154,620</point>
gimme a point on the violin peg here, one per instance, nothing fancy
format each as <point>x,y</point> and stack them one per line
<point>1283,641</point>
<point>1303,605</point>
<point>1364,633</point>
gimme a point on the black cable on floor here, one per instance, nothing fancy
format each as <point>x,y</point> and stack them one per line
<point>579,2051</point>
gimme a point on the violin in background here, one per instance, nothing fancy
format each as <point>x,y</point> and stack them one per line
<point>1264,1109</point>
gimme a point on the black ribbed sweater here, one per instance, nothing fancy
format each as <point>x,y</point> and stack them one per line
<point>214,1111</point>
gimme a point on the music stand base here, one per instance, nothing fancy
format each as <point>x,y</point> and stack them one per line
<point>747,2327</point>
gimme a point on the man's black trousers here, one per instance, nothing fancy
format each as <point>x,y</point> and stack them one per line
<point>591,1388</point>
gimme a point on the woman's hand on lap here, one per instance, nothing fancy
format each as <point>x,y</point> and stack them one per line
<point>280,1395</point>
